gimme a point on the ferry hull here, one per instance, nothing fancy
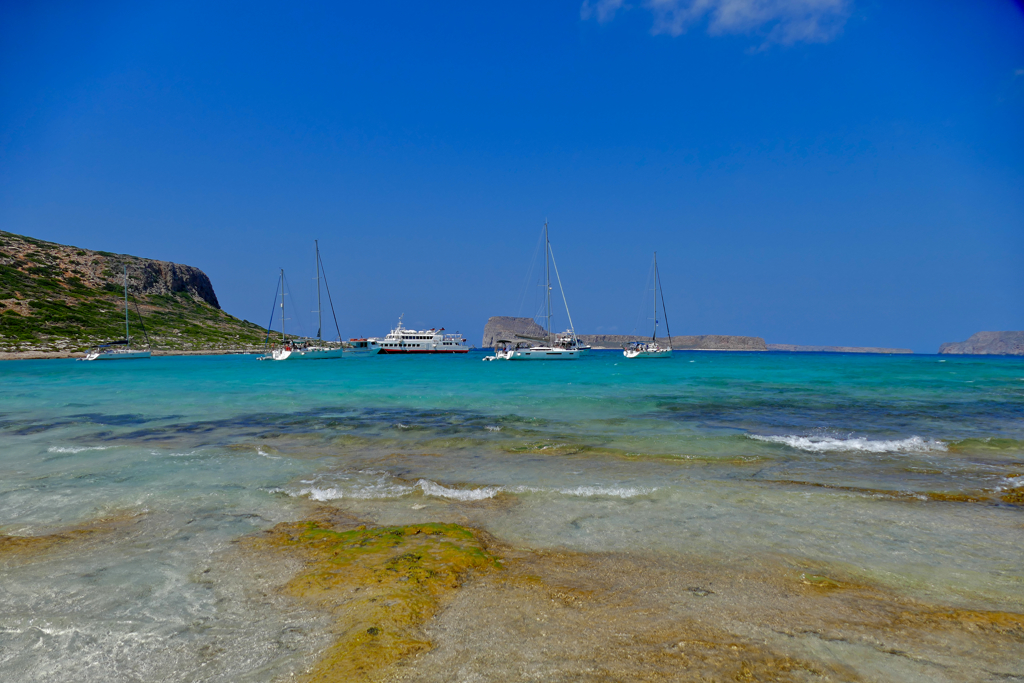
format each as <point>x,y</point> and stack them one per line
<point>406,352</point>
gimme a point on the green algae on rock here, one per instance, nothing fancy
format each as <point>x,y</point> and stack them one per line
<point>381,584</point>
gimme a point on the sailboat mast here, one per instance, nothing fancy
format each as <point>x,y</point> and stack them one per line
<point>547,274</point>
<point>655,293</point>
<point>127,338</point>
<point>282,306</point>
<point>319,308</point>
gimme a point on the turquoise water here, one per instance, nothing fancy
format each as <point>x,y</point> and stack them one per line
<point>840,461</point>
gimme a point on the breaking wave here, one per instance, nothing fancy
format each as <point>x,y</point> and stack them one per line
<point>76,449</point>
<point>831,444</point>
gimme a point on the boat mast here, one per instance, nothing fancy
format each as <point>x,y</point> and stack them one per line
<point>547,275</point>
<point>282,307</point>
<point>319,311</point>
<point>654,338</point>
<point>127,338</point>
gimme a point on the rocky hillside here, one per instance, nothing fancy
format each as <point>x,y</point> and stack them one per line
<point>988,343</point>
<point>60,298</point>
<point>834,349</point>
<point>504,327</point>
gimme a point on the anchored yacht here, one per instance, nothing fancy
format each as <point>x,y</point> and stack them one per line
<point>403,341</point>
<point>565,346</point>
<point>305,349</point>
<point>113,350</point>
<point>652,348</point>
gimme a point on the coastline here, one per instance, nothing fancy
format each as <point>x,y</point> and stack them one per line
<point>54,355</point>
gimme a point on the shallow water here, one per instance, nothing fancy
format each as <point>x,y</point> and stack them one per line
<point>859,465</point>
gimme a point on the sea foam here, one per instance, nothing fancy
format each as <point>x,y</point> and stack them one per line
<point>831,444</point>
<point>76,449</point>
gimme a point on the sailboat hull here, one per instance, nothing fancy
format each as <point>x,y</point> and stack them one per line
<point>661,353</point>
<point>117,355</point>
<point>544,353</point>
<point>303,354</point>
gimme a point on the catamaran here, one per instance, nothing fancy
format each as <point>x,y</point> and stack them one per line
<point>307,349</point>
<point>652,348</point>
<point>112,350</point>
<point>563,347</point>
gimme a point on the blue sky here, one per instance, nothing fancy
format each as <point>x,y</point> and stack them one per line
<point>810,171</point>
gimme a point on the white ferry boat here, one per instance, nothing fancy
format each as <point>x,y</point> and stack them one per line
<point>401,340</point>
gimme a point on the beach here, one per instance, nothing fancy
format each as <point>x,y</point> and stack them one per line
<point>711,516</point>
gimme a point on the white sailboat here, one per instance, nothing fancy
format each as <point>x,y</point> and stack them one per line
<point>652,348</point>
<point>307,349</point>
<point>113,350</point>
<point>565,347</point>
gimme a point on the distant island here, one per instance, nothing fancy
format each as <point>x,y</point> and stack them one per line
<point>989,344</point>
<point>834,349</point>
<point>57,299</point>
<point>513,329</point>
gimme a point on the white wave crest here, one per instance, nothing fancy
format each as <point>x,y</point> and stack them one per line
<point>830,444</point>
<point>611,491</point>
<point>431,488</point>
<point>372,492</point>
<point>76,449</point>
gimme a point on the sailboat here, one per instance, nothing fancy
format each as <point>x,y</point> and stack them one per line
<point>307,349</point>
<point>113,350</point>
<point>652,349</point>
<point>565,347</point>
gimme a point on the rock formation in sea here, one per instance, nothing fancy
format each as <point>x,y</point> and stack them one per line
<point>505,327</point>
<point>834,349</point>
<point>56,298</point>
<point>988,343</point>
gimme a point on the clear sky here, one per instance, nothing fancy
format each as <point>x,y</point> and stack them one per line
<point>846,172</point>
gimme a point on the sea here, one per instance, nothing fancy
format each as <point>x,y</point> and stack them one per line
<point>894,474</point>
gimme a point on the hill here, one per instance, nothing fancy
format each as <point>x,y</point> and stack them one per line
<point>988,343</point>
<point>834,349</point>
<point>59,298</point>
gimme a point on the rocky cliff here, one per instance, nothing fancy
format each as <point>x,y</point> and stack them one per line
<point>988,343</point>
<point>834,349</point>
<point>55,297</point>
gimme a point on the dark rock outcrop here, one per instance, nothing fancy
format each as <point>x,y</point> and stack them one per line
<point>834,349</point>
<point>505,327</point>
<point>988,343</point>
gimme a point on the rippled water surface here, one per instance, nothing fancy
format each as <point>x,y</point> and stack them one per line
<point>895,469</point>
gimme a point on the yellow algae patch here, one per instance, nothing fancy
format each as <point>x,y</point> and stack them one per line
<point>1004,623</point>
<point>1014,496</point>
<point>381,584</point>
<point>22,548</point>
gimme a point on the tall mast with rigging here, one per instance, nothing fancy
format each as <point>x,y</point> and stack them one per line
<point>282,306</point>
<point>547,275</point>
<point>319,308</point>
<point>127,338</point>
<point>654,337</point>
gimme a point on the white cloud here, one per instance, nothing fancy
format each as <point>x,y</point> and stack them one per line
<point>602,10</point>
<point>780,21</point>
